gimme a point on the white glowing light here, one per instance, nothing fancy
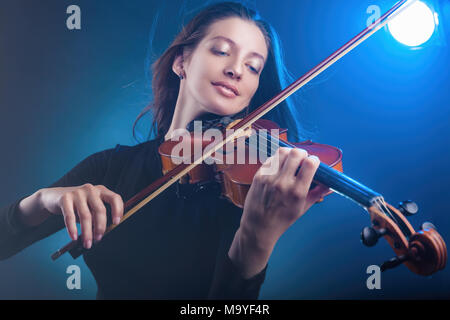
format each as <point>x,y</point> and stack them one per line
<point>436,18</point>
<point>414,26</point>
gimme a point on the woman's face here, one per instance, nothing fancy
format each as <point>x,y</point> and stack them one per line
<point>232,54</point>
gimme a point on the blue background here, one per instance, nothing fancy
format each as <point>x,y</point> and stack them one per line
<point>67,94</point>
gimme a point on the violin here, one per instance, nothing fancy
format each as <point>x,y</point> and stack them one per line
<point>423,252</point>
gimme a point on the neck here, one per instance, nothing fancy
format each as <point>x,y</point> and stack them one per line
<point>185,111</point>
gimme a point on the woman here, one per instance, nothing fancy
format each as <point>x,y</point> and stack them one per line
<point>193,245</point>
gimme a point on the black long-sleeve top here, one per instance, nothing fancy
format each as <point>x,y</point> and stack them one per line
<point>175,247</point>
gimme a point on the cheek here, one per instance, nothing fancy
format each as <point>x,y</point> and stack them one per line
<point>250,90</point>
<point>196,84</point>
<point>202,75</point>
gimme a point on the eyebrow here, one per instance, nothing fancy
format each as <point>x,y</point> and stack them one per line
<point>234,44</point>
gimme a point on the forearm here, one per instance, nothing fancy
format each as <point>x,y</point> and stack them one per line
<point>31,211</point>
<point>240,270</point>
<point>24,222</point>
<point>248,254</point>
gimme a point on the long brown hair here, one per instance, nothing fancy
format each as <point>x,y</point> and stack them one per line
<point>165,83</point>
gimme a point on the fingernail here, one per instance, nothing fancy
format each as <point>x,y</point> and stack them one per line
<point>74,236</point>
<point>88,244</point>
<point>116,220</point>
<point>98,237</point>
<point>315,158</point>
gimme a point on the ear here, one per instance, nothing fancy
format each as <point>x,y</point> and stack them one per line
<point>177,65</point>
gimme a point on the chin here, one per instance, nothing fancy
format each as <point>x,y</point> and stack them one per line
<point>218,111</point>
<point>223,110</point>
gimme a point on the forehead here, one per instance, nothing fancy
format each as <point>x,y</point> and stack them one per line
<point>245,34</point>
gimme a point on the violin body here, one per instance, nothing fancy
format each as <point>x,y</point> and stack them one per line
<point>234,176</point>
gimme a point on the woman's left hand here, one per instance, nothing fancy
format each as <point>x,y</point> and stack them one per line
<point>276,199</point>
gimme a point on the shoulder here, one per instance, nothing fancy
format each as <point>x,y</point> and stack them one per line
<point>151,145</point>
<point>118,156</point>
<point>141,155</point>
<point>109,163</point>
<point>147,149</point>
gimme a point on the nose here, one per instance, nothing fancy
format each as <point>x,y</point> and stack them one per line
<point>233,72</point>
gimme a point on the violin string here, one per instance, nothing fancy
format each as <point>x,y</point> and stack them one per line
<point>386,209</point>
<point>273,145</point>
<point>377,205</point>
<point>274,142</point>
<point>394,219</point>
<point>381,205</point>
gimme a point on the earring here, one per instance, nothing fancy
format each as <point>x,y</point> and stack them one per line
<point>181,76</point>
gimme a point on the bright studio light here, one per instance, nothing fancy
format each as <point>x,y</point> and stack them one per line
<point>414,25</point>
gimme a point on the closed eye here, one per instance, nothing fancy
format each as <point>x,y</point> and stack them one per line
<point>221,53</point>
<point>253,70</point>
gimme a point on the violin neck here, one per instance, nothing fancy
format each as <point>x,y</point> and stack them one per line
<point>341,183</point>
<point>346,186</point>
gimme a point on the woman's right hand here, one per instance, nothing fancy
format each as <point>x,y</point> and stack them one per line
<point>83,204</point>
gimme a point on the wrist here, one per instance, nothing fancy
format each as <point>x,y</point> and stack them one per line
<point>31,210</point>
<point>258,238</point>
<point>248,255</point>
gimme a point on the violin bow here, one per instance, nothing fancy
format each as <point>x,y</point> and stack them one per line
<point>75,247</point>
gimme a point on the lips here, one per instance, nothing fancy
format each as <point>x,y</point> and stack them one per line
<point>227,86</point>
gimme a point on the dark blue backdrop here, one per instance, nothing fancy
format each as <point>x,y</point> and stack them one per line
<point>67,94</point>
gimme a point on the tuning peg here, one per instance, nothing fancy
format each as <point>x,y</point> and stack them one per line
<point>369,235</point>
<point>394,262</point>
<point>408,208</point>
<point>428,225</point>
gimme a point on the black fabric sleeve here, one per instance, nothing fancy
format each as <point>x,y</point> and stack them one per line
<point>228,284</point>
<point>15,236</point>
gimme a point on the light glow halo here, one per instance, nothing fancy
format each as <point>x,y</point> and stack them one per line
<point>414,26</point>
